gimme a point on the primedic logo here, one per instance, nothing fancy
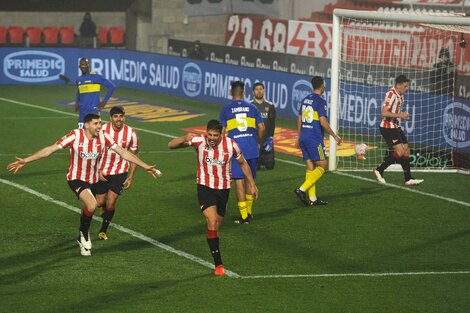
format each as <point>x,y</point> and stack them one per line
<point>300,90</point>
<point>192,80</point>
<point>33,66</point>
<point>456,125</point>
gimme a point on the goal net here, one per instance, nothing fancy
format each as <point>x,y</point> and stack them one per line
<point>369,51</point>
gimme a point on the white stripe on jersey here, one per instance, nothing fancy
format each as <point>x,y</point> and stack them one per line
<point>394,101</point>
<point>111,162</point>
<point>84,154</point>
<point>214,164</point>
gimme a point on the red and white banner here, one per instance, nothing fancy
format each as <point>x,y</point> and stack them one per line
<point>310,39</point>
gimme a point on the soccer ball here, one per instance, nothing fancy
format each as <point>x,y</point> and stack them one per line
<point>361,149</point>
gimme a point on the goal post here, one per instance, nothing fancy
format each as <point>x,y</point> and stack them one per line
<point>369,50</point>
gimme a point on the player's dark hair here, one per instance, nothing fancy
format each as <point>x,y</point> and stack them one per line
<point>116,110</point>
<point>238,87</point>
<point>401,79</point>
<point>89,117</point>
<point>317,82</point>
<point>258,84</point>
<point>214,125</point>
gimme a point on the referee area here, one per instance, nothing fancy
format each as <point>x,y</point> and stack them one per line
<point>373,248</point>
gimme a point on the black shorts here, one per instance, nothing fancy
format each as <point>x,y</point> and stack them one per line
<point>266,159</point>
<point>393,136</point>
<point>78,186</point>
<point>115,183</point>
<point>208,197</point>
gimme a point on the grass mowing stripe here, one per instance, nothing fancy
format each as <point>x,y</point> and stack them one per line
<point>281,160</point>
<point>121,228</point>
<point>357,275</point>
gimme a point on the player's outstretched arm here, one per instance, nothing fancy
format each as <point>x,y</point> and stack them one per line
<point>128,156</point>
<point>326,126</point>
<point>181,142</point>
<point>43,153</point>
<point>253,190</point>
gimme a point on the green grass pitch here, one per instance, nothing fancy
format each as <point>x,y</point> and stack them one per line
<point>373,248</point>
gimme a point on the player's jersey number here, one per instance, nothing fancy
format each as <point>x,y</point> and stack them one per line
<point>242,123</point>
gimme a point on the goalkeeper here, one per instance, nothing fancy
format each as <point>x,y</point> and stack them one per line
<point>268,114</point>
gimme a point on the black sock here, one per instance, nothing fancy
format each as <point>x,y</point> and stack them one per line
<point>405,164</point>
<point>85,222</point>
<point>215,251</point>
<point>107,217</point>
<point>388,160</point>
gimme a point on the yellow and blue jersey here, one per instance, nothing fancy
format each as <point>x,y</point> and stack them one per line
<point>311,109</point>
<point>88,93</point>
<point>240,119</point>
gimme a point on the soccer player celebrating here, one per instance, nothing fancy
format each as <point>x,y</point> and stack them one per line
<point>398,148</point>
<point>86,147</point>
<point>114,169</point>
<point>268,114</point>
<point>311,123</point>
<point>214,153</point>
<point>241,120</point>
<point>88,93</point>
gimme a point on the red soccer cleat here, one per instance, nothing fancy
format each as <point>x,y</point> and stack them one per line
<point>219,270</point>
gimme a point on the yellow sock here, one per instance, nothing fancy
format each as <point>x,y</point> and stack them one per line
<point>312,178</point>
<point>312,193</point>
<point>249,204</point>
<point>242,208</point>
<point>306,184</point>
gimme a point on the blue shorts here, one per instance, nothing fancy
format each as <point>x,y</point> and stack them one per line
<point>314,153</point>
<point>237,170</point>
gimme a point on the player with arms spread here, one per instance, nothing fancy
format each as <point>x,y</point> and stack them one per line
<point>86,147</point>
<point>311,123</point>
<point>398,148</point>
<point>243,123</point>
<point>88,93</point>
<point>214,154</point>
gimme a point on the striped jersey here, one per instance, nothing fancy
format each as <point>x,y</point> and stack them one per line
<point>394,101</point>
<point>88,93</point>
<point>240,119</point>
<point>85,154</point>
<point>311,109</point>
<point>111,162</point>
<point>214,164</point>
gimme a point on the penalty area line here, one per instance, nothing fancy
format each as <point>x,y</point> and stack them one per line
<point>120,227</point>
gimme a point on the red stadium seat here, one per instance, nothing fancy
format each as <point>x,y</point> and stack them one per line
<point>51,35</point>
<point>116,36</point>
<point>103,36</point>
<point>3,35</point>
<point>33,36</point>
<point>67,35</point>
<point>15,35</point>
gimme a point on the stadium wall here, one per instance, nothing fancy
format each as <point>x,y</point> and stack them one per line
<point>210,82</point>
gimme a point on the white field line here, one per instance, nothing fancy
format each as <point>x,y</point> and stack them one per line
<point>296,164</point>
<point>119,227</point>
<point>357,275</point>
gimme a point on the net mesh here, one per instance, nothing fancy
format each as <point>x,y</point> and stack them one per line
<point>373,53</point>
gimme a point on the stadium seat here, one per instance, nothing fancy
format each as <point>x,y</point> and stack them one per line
<point>15,35</point>
<point>103,36</point>
<point>33,36</point>
<point>116,36</point>
<point>51,35</point>
<point>3,35</point>
<point>66,35</point>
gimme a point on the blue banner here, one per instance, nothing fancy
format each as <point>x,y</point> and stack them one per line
<point>442,121</point>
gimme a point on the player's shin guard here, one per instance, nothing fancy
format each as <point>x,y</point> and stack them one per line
<point>405,164</point>
<point>107,217</point>
<point>213,242</point>
<point>306,184</point>
<point>85,220</point>
<point>249,204</point>
<point>242,208</point>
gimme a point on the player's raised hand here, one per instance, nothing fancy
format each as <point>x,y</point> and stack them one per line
<point>17,165</point>
<point>153,171</point>
<point>189,136</point>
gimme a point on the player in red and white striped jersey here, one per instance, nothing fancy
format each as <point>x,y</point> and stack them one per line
<point>86,147</point>
<point>116,173</point>
<point>398,148</point>
<point>214,157</point>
